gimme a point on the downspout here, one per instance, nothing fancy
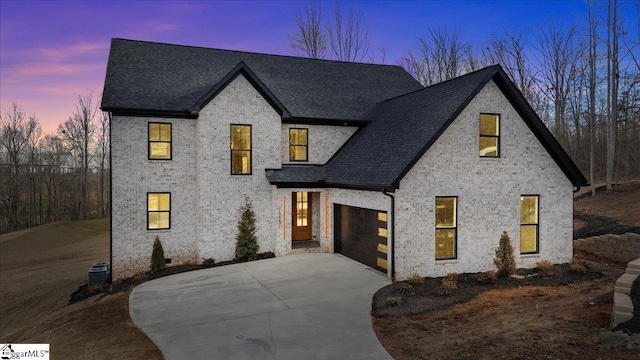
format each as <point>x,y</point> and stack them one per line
<point>110,206</point>
<point>393,235</point>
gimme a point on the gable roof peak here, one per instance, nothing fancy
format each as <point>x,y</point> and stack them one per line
<point>147,78</point>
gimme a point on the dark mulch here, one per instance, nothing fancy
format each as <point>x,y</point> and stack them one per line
<point>85,291</point>
<point>600,225</point>
<point>420,299</point>
<point>633,326</point>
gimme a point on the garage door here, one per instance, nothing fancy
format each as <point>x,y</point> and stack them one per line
<point>361,234</point>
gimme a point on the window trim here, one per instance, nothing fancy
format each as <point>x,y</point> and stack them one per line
<point>158,211</point>
<point>497,137</point>
<point>455,228</point>
<point>537,224</point>
<point>149,141</point>
<point>250,150</point>
<point>306,146</point>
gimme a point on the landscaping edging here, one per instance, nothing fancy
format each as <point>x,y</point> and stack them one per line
<point>623,248</point>
<point>622,304</point>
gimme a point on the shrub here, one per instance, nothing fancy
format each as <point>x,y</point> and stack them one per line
<point>208,262</point>
<point>452,277</point>
<point>394,300</point>
<point>157,256</point>
<point>448,283</point>
<point>544,268</point>
<point>577,267</point>
<point>415,279</point>
<point>246,241</point>
<point>505,260</point>
<point>488,277</point>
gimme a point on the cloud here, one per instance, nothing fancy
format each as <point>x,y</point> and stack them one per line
<point>70,52</point>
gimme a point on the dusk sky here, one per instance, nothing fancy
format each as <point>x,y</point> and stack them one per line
<point>53,51</point>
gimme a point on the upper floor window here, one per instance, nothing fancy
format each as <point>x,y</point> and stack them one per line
<point>159,141</point>
<point>446,227</point>
<point>529,224</point>
<point>489,135</point>
<point>240,149</point>
<point>158,211</point>
<point>298,144</point>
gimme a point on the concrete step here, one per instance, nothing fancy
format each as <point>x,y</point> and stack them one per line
<point>624,282</point>
<point>622,303</point>
<point>633,267</point>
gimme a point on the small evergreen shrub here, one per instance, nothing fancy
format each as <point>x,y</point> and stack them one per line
<point>246,241</point>
<point>394,300</point>
<point>488,277</point>
<point>544,268</point>
<point>577,267</point>
<point>157,256</point>
<point>415,279</point>
<point>505,261</point>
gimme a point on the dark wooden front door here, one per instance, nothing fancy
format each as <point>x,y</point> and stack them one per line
<point>301,211</point>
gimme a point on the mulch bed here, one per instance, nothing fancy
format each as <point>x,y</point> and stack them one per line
<point>419,299</point>
<point>85,291</point>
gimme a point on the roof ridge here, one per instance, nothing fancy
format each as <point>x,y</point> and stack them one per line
<point>475,72</point>
<point>259,53</point>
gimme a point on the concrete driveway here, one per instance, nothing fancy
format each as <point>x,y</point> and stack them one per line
<point>304,306</point>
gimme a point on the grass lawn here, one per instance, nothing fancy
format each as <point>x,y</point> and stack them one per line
<point>39,269</point>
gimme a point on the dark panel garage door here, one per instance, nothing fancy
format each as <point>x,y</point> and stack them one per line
<point>361,234</point>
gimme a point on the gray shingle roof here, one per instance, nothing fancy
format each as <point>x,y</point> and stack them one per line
<point>403,128</point>
<point>405,119</point>
<point>154,77</point>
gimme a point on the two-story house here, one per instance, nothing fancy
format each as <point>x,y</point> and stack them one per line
<point>351,158</point>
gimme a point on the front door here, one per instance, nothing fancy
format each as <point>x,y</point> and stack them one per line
<point>301,210</point>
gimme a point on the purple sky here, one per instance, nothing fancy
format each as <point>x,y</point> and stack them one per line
<point>53,51</point>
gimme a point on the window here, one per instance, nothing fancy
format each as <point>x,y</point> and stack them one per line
<point>158,211</point>
<point>529,224</point>
<point>302,208</point>
<point>489,135</point>
<point>240,149</point>
<point>298,144</point>
<point>446,223</point>
<point>159,141</point>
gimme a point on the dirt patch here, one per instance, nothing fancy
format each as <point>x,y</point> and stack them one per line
<point>39,268</point>
<point>562,316</point>
<point>616,211</point>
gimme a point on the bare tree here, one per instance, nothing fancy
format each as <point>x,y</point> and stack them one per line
<point>310,40</point>
<point>510,51</point>
<point>78,132</point>
<point>102,151</point>
<point>558,50</point>
<point>593,57</point>
<point>612,86</point>
<point>16,134</point>
<point>348,37</point>
<point>53,152</point>
<point>441,56</point>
